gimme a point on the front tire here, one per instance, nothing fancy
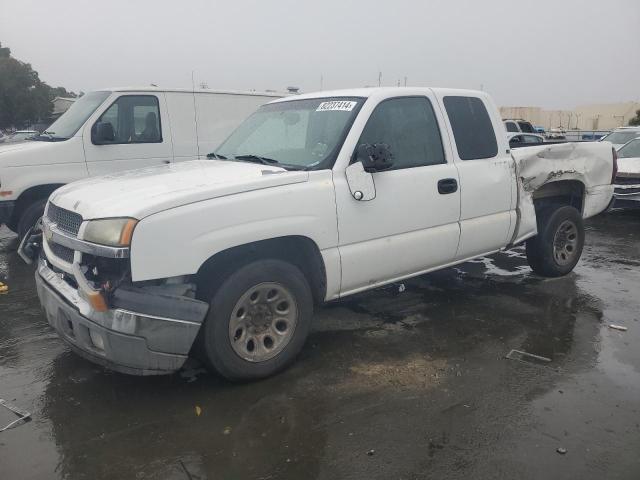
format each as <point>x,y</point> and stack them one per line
<point>556,249</point>
<point>29,217</point>
<point>258,320</point>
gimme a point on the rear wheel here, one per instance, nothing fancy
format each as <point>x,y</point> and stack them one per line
<point>556,249</point>
<point>29,217</point>
<point>258,321</point>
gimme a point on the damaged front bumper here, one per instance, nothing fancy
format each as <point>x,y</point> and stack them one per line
<point>141,333</point>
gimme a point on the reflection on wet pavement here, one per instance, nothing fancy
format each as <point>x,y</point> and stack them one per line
<point>419,377</point>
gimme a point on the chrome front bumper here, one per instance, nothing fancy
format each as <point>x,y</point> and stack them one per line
<point>627,195</point>
<point>119,339</point>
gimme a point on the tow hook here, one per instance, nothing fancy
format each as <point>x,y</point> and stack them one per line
<point>31,243</point>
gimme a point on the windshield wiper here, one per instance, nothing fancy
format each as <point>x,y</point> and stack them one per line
<point>257,159</point>
<point>215,156</point>
<point>48,136</point>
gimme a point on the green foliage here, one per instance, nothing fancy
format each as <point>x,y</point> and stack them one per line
<point>635,121</point>
<point>24,98</point>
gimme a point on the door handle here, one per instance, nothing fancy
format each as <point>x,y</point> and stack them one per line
<point>447,185</point>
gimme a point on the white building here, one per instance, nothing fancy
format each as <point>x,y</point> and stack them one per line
<point>586,117</point>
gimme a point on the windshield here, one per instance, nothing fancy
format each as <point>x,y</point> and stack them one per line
<point>620,137</point>
<point>630,150</point>
<point>296,134</point>
<point>71,120</point>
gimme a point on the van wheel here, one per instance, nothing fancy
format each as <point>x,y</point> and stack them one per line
<point>258,321</point>
<point>29,217</point>
<point>556,249</point>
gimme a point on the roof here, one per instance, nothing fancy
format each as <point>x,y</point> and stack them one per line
<point>626,128</point>
<point>149,88</point>
<point>382,92</point>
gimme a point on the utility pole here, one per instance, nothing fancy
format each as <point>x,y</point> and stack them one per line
<point>405,81</point>
<point>379,79</point>
<point>321,82</point>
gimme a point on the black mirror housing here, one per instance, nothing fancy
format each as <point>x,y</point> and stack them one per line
<point>374,157</point>
<point>102,132</point>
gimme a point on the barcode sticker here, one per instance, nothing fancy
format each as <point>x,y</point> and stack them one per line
<point>336,105</point>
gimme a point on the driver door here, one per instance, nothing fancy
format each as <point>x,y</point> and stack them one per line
<point>411,226</point>
<point>141,135</point>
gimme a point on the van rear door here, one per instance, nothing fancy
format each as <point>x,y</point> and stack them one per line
<point>132,131</point>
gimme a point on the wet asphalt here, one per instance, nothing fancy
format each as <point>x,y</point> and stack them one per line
<point>389,385</point>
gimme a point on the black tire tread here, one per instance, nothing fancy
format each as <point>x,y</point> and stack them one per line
<point>540,248</point>
<point>215,346</point>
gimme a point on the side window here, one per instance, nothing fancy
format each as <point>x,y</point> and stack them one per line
<point>409,126</point>
<point>472,128</point>
<point>135,119</point>
<point>511,127</point>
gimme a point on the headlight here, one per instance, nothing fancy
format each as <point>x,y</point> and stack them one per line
<point>115,232</point>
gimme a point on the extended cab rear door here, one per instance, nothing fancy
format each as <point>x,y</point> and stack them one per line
<point>141,134</point>
<point>486,169</point>
<point>411,225</point>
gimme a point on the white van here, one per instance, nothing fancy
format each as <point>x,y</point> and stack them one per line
<point>112,130</point>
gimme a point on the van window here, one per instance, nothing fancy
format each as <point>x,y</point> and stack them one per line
<point>512,127</point>
<point>135,119</point>
<point>409,126</point>
<point>526,127</point>
<point>472,128</point>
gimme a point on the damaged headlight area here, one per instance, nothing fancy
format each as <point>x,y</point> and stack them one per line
<point>114,232</point>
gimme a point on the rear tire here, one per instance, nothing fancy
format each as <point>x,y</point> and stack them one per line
<point>258,320</point>
<point>29,217</point>
<point>557,248</point>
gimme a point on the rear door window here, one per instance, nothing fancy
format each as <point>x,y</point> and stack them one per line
<point>472,127</point>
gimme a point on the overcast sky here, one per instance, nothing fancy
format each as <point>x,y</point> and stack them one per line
<point>548,53</point>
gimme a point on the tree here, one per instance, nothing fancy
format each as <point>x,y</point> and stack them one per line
<point>24,98</point>
<point>635,121</point>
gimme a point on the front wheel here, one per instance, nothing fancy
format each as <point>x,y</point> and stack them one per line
<point>30,216</point>
<point>258,321</point>
<point>556,249</point>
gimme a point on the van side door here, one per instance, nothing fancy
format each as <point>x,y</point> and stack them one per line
<point>486,169</point>
<point>411,225</point>
<point>131,132</point>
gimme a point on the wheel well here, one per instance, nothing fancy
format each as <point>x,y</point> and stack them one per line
<point>563,192</point>
<point>298,250</point>
<point>29,196</point>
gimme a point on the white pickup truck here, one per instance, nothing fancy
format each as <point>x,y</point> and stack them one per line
<point>311,199</point>
<point>113,130</point>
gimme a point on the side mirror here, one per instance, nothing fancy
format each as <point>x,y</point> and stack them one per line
<point>102,132</point>
<point>374,158</point>
<point>361,184</point>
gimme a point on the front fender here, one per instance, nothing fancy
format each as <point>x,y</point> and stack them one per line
<point>178,241</point>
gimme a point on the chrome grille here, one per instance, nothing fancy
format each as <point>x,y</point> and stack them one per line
<point>63,253</point>
<point>66,220</point>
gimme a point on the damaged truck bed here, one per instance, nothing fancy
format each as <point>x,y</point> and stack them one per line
<point>361,189</point>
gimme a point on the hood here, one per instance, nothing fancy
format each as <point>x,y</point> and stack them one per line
<point>629,166</point>
<point>35,152</point>
<point>139,193</point>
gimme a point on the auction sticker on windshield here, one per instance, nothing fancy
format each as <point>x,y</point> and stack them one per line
<point>339,105</point>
